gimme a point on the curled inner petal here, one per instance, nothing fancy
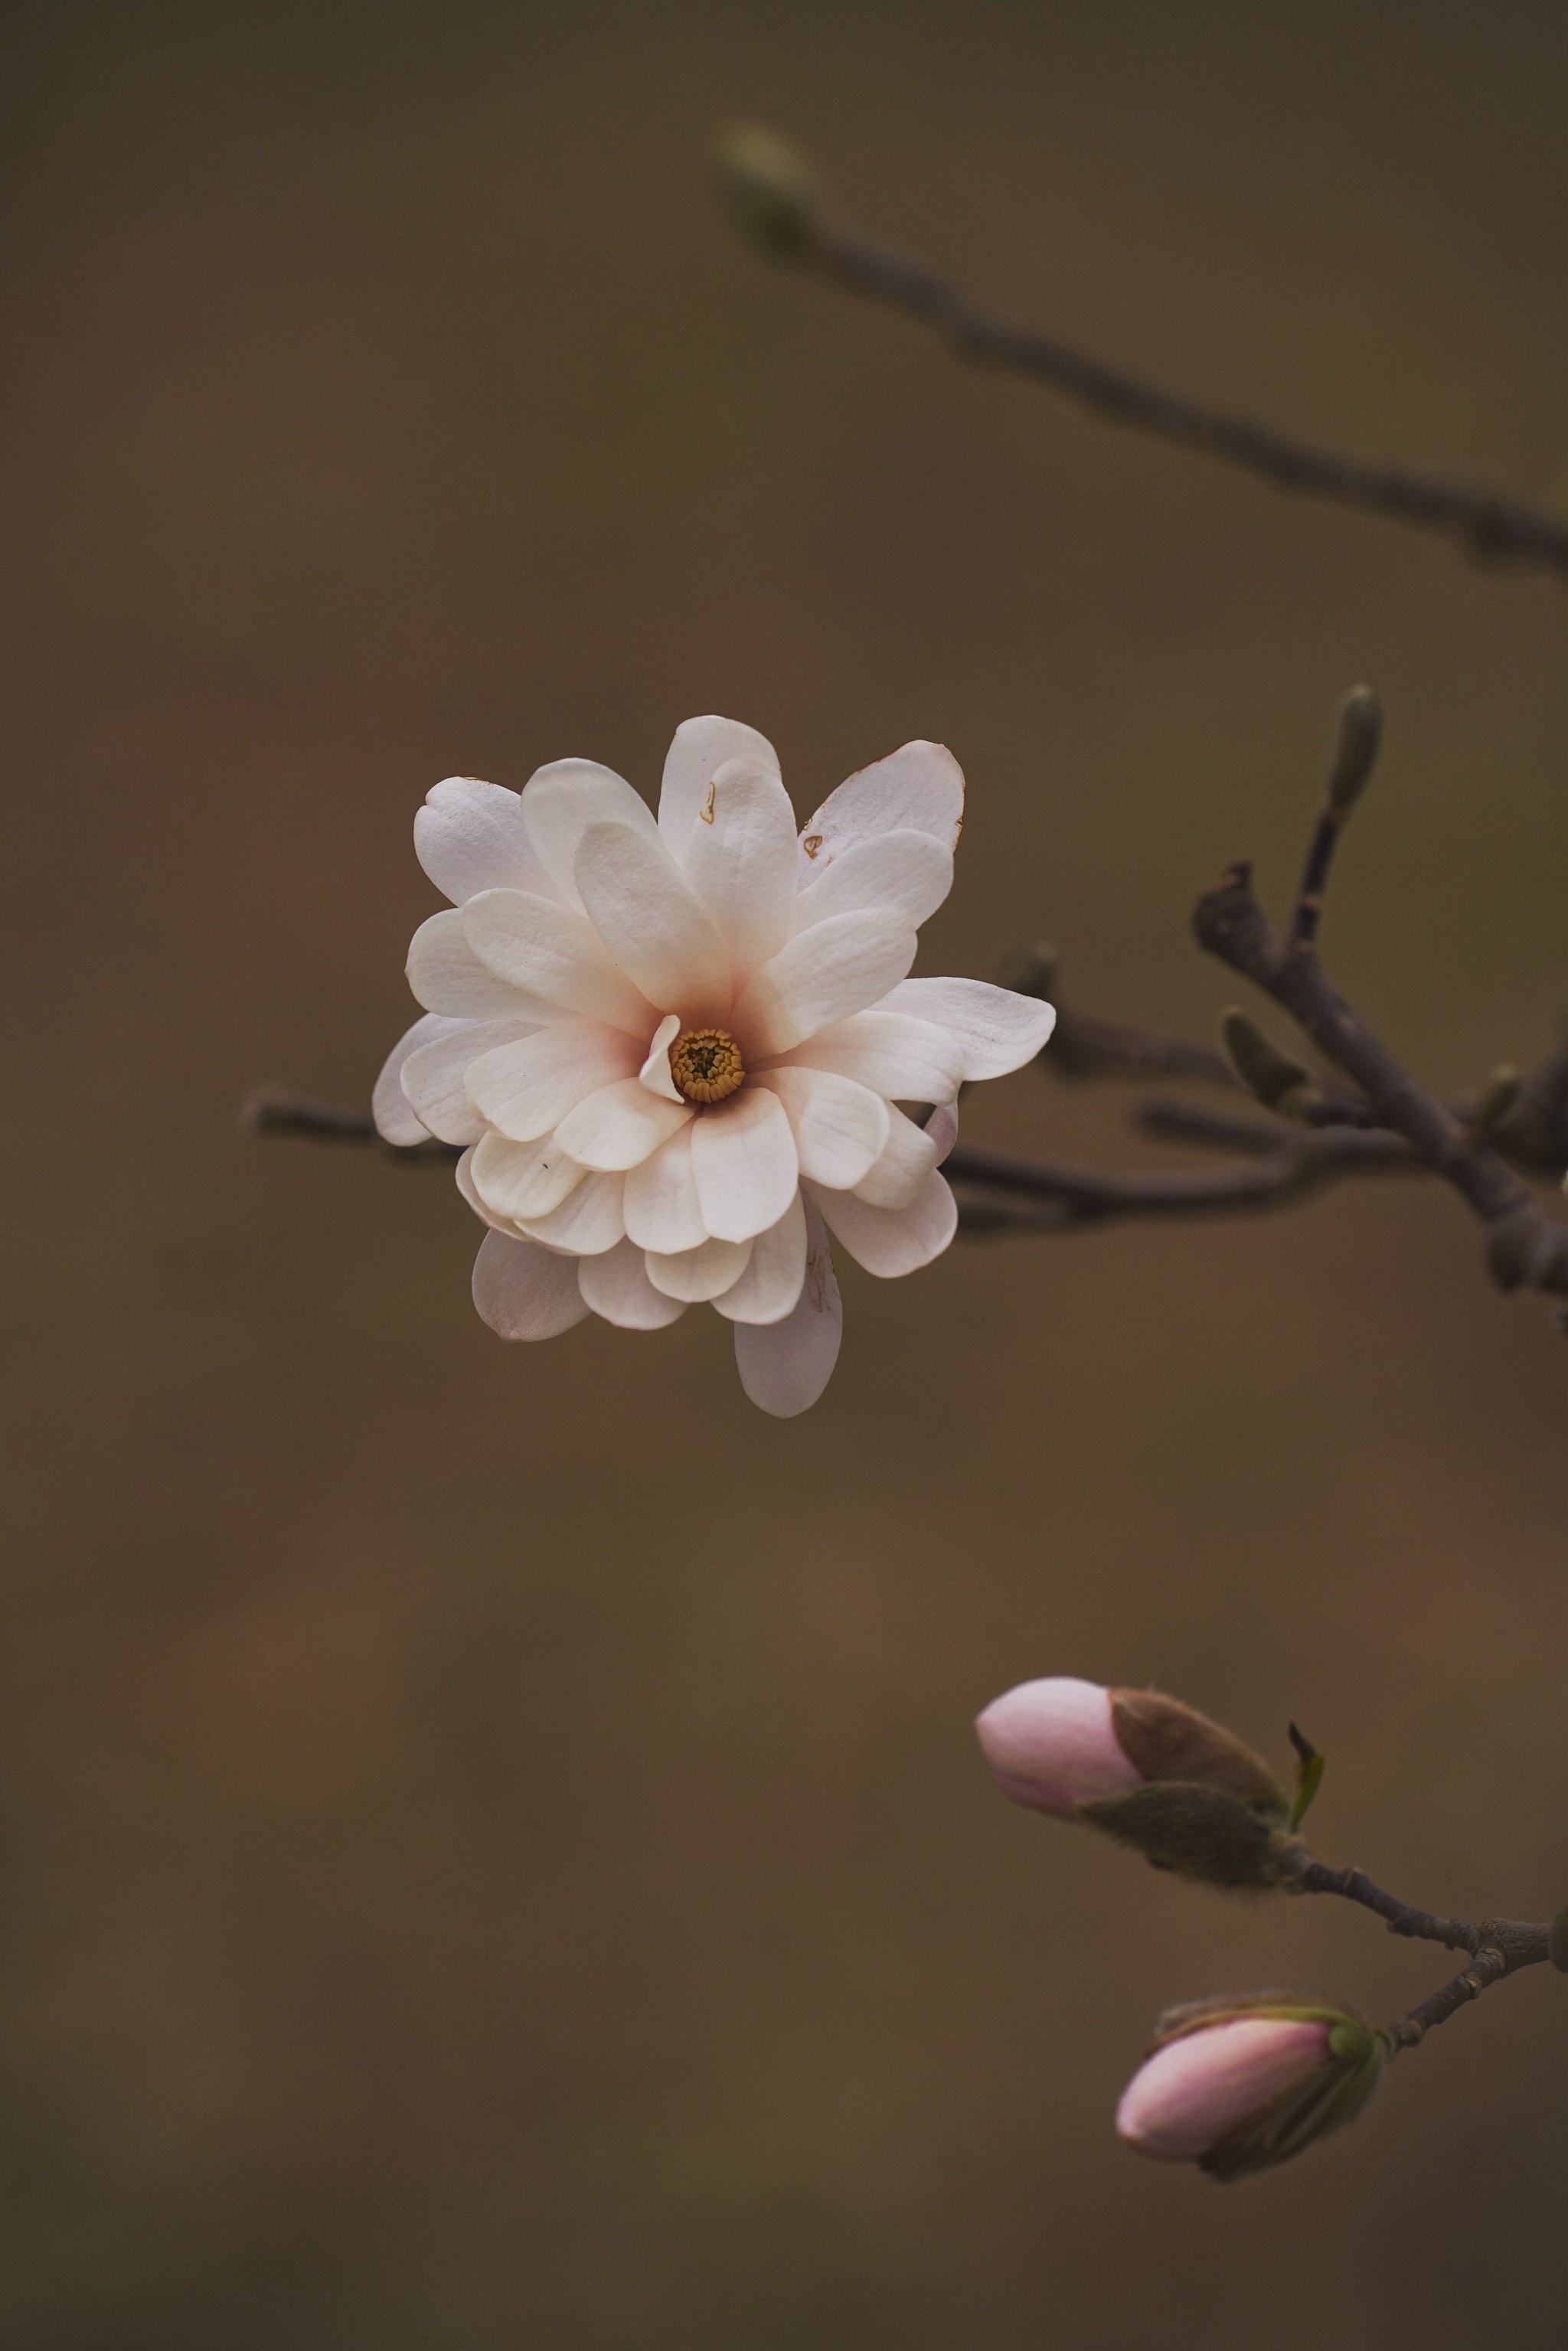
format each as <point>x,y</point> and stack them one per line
<point>706,1064</point>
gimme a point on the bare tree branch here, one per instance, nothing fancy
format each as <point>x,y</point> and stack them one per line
<point>778,199</point>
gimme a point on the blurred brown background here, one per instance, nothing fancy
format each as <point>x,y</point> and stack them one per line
<point>494,1852</point>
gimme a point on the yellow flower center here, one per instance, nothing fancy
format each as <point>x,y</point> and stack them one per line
<point>706,1064</point>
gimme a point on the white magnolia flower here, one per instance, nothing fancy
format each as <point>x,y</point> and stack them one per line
<point>675,1049</point>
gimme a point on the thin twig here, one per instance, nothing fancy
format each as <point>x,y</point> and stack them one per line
<point>1482,521</point>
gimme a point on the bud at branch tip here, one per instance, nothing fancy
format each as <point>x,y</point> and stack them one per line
<point>772,191</point>
<point>1358,733</point>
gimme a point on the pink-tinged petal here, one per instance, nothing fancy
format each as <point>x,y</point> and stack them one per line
<point>775,1274</point>
<point>654,1072</point>
<point>616,1286</point>
<point>554,954</point>
<point>651,921</point>
<point>907,1159</point>
<point>907,870</point>
<point>470,1191</point>
<point>894,1241</point>
<point>906,1060</point>
<point>523,1292</point>
<point>590,1219</point>
<point>821,976</point>
<point>559,803</point>
<point>523,1179</point>
<point>740,860</point>
<point>620,1125</point>
<point>1051,1744</point>
<point>700,749</point>
<point>997,1029</point>
<point>745,1164</point>
<point>663,1211</point>
<point>841,1127</point>
<point>470,836</point>
<point>446,976</point>
<point>435,1075</point>
<point>697,1274</point>
<point>524,1090</point>
<point>395,1116</point>
<point>942,1126</point>
<point>917,788</point>
<point>784,1367</point>
<point>1193,2092</point>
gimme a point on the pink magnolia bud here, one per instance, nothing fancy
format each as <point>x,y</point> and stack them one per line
<point>1240,2086</point>
<point>1053,1744</point>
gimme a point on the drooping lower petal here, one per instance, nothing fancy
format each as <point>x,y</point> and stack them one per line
<point>620,1124</point>
<point>396,1119</point>
<point>524,1090</point>
<point>697,1274</point>
<point>617,1287</point>
<point>942,1126</point>
<point>775,1273</point>
<point>823,976</point>
<point>894,1241</point>
<point>841,1127</point>
<point>745,1162</point>
<point>463,1171</point>
<point>516,1180</point>
<point>471,836</point>
<point>663,1211</point>
<point>435,1077</point>
<point>784,1367</point>
<point>524,1292</point>
<point>998,1030</point>
<point>590,1220</point>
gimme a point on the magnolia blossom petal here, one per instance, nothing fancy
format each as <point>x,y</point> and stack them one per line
<point>523,1179</point>
<point>395,1116</point>
<point>471,836</point>
<point>740,860</point>
<point>446,976</point>
<point>525,1089</point>
<point>523,1292</point>
<point>554,954</point>
<point>562,801</point>
<point>907,870</point>
<point>616,1286</point>
<point>841,1127</point>
<point>699,750</point>
<point>1193,2092</point>
<point>654,1072</point>
<point>784,1367</point>
<point>907,1159</point>
<point>745,1164</point>
<point>463,1171</point>
<point>775,1273</point>
<point>918,789</point>
<point>696,1274</point>
<point>1051,1744</point>
<point>998,1030</point>
<point>894,1241</point>
<point>435,1075</point>
<point>663,1211</point>
<point>620,1125</point>
<point>823,975</point>
<point>907,1061</point>
<point>942,1126</point>
<point>651,921</point>
<point>590,1219</point>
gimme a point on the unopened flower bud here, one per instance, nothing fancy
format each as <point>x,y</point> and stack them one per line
<point>1239,2086</point>
<point>772,190</point>
<point>1198,1832</point>
<point>1358,737</point>
<point>1271,1077</point>
<point>1059,1743</point>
